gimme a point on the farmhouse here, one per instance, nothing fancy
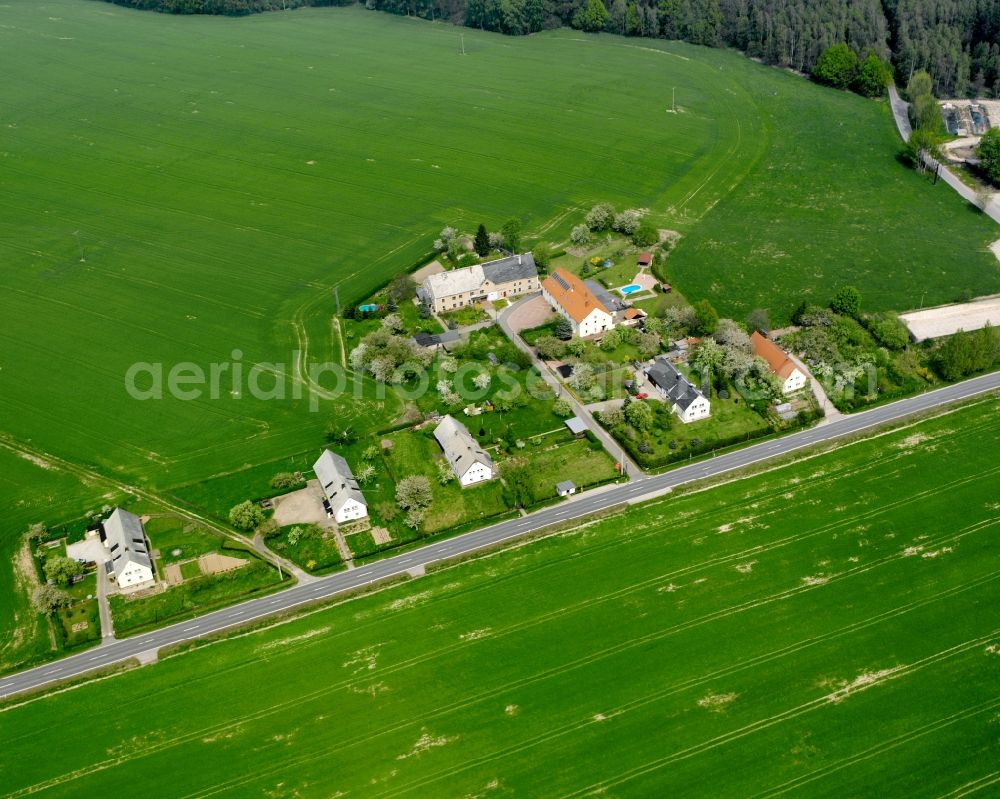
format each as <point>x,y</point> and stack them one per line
<point>130,564</point>
<point>346,501</point>
<point>572,298</point>
<point>458,288</point>
<point>792,378</point>
<point>686,401</point>
<point>467,459</point>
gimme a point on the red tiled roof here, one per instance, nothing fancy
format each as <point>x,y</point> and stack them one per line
<point>777,359</point>
<point>572,294</point>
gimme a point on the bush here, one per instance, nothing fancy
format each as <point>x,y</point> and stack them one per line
<point>847,302</point>
<point>62,570</point>
<point>873,76</point>
<point>599,217</point>
<point>580,235</point>
<point>836,66</point>
<point>627,221</point>
<point>646,234</point>
<point>562,408</point>
<point>246,516</point>
<point>47,599</point>
<point>285,480</point>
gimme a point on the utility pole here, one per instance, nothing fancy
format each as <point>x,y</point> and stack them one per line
<point>76,234</point>
<point>336,296</point>
<point>462,35</point>
<point>673,100</point>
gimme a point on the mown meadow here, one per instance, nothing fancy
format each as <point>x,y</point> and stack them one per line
<point>826,628</point>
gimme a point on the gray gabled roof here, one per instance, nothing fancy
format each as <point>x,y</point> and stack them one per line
<point>454,281</point>
<point>576,425</point>
<point>669,378</point>
<point>565,485</point>
<point>460,449</point>
<point>337,480</point>
<point>126,540</point>
<point>605,297</point>
<point>514,267</point>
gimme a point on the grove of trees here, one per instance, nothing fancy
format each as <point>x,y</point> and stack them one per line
<point>956,41</point>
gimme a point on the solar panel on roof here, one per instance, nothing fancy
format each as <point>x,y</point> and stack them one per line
<point>561,281</point>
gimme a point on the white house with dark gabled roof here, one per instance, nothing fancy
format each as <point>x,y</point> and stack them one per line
<point>125,539</point>
<point>467,459</point>
<point>685,400</point>
<point>347,503</point>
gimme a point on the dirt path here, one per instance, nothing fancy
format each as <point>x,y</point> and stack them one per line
<point>339,333</point>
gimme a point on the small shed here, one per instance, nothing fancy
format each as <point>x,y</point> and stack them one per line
<point>576,425</point>
<point>645,258</point>
<point>565,488</point>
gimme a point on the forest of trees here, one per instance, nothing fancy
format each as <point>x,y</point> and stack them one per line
<point>956,41</point>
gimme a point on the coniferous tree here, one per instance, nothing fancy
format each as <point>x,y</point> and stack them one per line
<point>482,243</point>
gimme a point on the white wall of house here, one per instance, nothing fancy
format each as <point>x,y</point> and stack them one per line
<point>597,321</point>
<point>476,473</point>
<point>134,574</point>
<point>699,409</point>
<point>795,381</point>
<point>351,510</point>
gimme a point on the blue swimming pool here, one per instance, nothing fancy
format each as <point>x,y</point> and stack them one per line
<point>630,289</point>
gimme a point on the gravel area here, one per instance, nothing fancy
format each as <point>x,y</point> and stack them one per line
<point>948,319</point>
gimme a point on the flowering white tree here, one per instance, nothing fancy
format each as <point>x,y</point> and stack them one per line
<point>482,381</point>
<point>627,221</point>
<point>600,216</point>
<point>580,235</point>
<point>448,396</point>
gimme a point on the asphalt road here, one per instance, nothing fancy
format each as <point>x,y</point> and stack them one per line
<point>581,505</point>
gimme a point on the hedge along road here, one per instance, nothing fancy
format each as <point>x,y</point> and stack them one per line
<point>583,505</point>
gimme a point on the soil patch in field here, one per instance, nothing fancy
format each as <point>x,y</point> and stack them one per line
<point>172,574</point>
<point>214,563</point>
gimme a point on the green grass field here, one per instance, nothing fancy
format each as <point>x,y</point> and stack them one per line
<point>215,198</point>
<point>178,188</point>
<point>827,628</point>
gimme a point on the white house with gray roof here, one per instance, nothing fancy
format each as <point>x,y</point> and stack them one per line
<point>494,280</point>
<point>685,400</point>
<point>346,501</point>
<point>125,539</point>
<point>467,459</point>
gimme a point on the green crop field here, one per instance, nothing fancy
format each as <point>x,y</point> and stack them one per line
<point>180,189</point>
<point>175,188</point>
<point>827,628</point>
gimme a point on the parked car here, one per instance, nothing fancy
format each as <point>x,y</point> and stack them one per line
<point>641,395</point>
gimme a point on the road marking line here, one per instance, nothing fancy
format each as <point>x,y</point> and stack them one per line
<point>189,629</point>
